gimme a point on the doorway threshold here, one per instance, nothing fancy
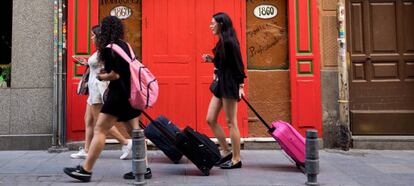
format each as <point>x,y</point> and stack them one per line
<point>383,142</point>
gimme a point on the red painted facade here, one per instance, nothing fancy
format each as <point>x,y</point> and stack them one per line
<point>174,37</point>
<point>305,65</point>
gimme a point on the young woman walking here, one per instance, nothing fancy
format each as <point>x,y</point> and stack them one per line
<point>94,103</point>
<point>227,88</point>
<point>116,106</point>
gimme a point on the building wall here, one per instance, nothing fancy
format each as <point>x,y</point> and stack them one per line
<point>26,107</point>
<point>269,93</point>
<point>329,73</point>
<point>267,66</point>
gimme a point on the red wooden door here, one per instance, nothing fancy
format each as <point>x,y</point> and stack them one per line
<point>305,65</point>
<point>82,14</point>
<point>175,34</point>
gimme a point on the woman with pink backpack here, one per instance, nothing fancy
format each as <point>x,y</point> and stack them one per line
<point>96,89</point>
<point>116,105</point>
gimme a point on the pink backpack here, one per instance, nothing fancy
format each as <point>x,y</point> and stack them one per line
<point>144,86</point>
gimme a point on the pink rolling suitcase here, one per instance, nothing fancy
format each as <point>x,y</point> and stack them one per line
<point>288,138</point>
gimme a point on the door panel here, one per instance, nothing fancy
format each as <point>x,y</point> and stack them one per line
<point>408,14</point>
<point>381,91</point>
<point>304,65</point>
<point>83,15</point>
<point>175,34</point>
<point>383,38</point>
<point>357,30</point>
<point>168,50</point>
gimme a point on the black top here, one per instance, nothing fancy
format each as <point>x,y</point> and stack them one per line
<point>230,69</point>
<point>116,63</point>
<point>116,102</point>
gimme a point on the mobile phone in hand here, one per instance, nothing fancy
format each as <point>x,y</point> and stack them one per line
<point>80,60</point>
<point>207,58</point>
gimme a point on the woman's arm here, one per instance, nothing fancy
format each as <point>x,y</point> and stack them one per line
<point>108,76</point>
<point>233,55</point>
<point>207,58</point>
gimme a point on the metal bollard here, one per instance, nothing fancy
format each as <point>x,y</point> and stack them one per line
<point>138,156</point>
<point>312,157</point>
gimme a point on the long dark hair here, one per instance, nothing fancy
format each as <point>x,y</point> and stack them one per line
<point>226,31</point>
<point>112,30</point>
<point>97,31</point>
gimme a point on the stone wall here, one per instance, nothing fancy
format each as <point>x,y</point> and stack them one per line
<point>329,73</point>
<point>26,107</point>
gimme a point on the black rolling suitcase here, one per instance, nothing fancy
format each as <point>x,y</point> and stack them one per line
<point>164,143</point>
<point>198,148</point>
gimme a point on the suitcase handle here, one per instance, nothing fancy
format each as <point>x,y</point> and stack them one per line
<point>270,129</point>
<point>147,116</point>
<point>142,125</point>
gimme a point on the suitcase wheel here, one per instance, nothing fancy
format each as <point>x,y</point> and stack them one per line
<point>205,171</point>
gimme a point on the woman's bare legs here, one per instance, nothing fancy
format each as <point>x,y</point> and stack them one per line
<point>230,109</point>
<point>89,126</point>
<point>103,124</point>
<point>95,110</point>
<point>212,115</point>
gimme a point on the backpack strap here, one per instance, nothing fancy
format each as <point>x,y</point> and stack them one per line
<point>131,51</point>
<point>121,52</point>
<point>124,56</point>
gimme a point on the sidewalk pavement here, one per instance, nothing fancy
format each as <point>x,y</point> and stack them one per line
<point>260,167</point>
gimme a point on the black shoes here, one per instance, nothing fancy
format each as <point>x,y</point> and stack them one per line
<point>229,165</point>
<point>224,159</point>
<point>78,173</point>
<point>131,176</point>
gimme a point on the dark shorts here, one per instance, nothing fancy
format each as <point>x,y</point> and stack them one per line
<point>117,105</point>
<point>229,90</point>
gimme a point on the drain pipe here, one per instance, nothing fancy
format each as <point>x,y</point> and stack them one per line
<point>63,70</point>
<point>58,80</point>
<point>55,70</point>
<point>344,134</point>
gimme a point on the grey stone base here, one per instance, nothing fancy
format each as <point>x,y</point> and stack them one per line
<point>25,142</point>
<point>383,142</point>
